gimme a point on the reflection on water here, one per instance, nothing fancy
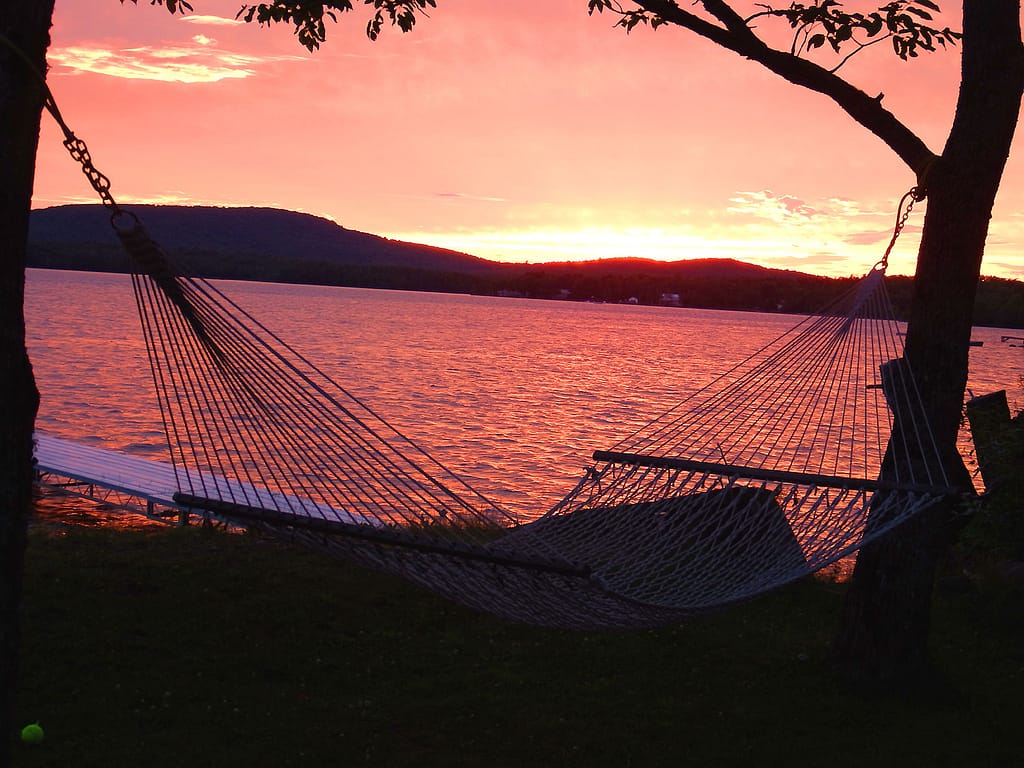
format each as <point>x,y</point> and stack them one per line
<point>512,394</point>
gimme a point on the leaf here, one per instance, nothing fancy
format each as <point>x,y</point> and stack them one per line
<point>873,24</point>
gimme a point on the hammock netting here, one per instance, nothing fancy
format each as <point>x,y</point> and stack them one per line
<point>784,464</point>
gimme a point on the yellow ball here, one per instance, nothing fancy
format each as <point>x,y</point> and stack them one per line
<point>32,734</point>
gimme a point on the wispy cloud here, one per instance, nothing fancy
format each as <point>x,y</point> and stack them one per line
<point>221,21</point>
<point>199,62</point>
<point>789,209</point>
<point>826,235</point>
<point>772,207</point>
<point>465,196</point>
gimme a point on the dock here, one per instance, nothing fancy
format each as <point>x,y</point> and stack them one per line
<point>154,488</point>
<point>139,486</point>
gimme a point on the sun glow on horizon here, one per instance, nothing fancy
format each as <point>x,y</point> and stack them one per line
<point>535,246</point>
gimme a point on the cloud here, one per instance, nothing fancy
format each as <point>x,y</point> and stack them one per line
<point>465,196</point>
<point>217,21</point>
<point>788,209</point>
<point>768,205</point>
<point>867,237</point>
<point>1007,266</point>
<point>835,219</point>
<point>198,63</point>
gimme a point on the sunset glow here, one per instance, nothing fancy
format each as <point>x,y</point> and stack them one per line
<point>519,132</point>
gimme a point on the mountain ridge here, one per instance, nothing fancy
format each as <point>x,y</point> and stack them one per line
<point>248,230</point>
<point>276,245</point>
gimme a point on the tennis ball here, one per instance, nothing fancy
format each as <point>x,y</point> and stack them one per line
<point>32,734</point>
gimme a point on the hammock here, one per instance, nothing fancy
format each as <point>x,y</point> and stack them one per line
<point>784,464</point>
<point>788,462</point>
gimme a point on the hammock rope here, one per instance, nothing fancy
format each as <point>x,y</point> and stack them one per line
<point>790,460</point>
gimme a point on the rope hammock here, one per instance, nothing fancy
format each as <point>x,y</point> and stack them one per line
<point>791,460</point>
<point>784,464</point>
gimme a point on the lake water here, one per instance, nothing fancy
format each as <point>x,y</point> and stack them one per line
<point>513,394</point>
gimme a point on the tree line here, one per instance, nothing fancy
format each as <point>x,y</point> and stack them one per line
<point>701,285</point>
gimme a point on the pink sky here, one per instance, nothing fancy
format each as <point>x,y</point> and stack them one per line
<point>515,131</point>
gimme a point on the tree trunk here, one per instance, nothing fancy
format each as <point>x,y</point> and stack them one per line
<point>26,25</point>
<point>884,632</point>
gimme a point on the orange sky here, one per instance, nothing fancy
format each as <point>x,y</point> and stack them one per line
<point>520,131</point>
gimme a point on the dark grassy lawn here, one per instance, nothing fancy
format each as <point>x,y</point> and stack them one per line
<point>175,647</point>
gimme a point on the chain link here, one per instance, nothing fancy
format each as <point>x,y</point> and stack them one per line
<point>80,153</point>
<point>902,214</point>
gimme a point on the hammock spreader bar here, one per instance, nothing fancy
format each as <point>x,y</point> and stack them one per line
<point>759,473</point>
<point>387,536</point>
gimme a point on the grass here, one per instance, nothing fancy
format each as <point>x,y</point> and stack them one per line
<point>188,647</point>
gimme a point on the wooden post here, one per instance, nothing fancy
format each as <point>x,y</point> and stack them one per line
<point>997,440</point>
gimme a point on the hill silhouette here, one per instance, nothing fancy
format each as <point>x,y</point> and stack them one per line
<point>274,245</point>
<point>269,233</point>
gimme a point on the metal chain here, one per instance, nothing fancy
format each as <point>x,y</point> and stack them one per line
<point>80,153</point>
<point>914,195</point>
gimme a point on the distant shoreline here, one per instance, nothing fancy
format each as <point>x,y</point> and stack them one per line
<point>900,286</point>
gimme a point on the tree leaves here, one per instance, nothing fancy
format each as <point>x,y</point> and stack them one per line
<point>816,24</point>
<point>401,14</point>
<point>174,6</point>
<point>902,21</point>
<point>907,23</point>
<point>307,16</point>
<point>627,19</point>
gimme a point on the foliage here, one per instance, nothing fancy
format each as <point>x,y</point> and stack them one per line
<point>901,21</point>
<point>1000,303</point>
<point>172,5</point>
<point>904,22</point>
<point>307,16</point>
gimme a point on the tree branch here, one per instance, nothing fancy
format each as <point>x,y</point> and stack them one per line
<point>737,36</point>
<point>860,47</point>
<point>732,20</point>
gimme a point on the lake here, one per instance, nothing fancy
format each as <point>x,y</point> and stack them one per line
<point>513,394</point>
